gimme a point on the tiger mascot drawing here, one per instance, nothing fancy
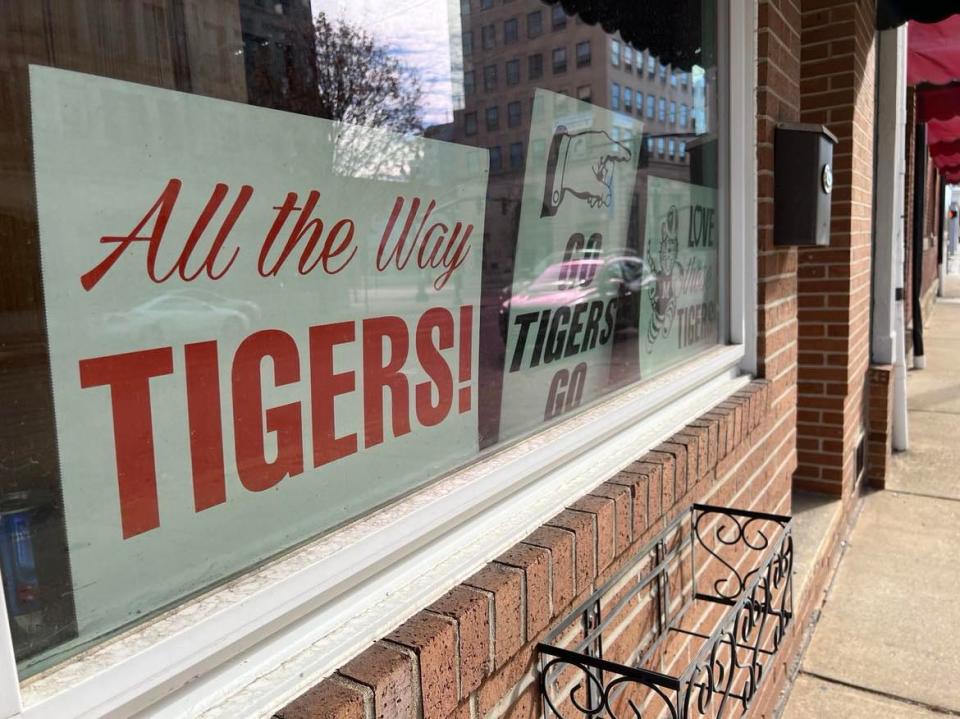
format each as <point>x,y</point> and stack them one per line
<point>663,299</point>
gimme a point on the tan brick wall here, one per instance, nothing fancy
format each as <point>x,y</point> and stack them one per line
<point>837,83</point>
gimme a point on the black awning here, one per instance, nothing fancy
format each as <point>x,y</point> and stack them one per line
<point>893,13</point>
<point>671,29</point>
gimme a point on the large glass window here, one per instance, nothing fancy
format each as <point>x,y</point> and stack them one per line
<point>270,266</point>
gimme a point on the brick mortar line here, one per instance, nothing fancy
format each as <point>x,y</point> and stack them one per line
<point>936,708</point>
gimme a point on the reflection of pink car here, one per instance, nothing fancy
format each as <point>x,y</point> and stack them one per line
<point>575,281</point>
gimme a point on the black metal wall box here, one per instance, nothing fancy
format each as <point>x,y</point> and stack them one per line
<point>687,628</point>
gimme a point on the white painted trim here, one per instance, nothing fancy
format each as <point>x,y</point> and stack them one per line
<point>9,680</point>
<point>888,190</point>
<point>742,176</point>
<point>248,647</point>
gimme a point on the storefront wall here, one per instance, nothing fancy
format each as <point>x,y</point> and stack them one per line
<point>491,624</point>
<point>837,85</point>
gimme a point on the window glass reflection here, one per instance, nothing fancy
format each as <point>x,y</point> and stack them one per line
<point>597,265</point>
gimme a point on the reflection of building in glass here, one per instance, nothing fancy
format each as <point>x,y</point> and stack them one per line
<point>511,49</point>
<point>279,55</point>
<point>256,51</point>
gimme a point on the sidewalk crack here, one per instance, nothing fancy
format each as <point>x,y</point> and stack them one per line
<point>924,495</point>
<point>887,695</point>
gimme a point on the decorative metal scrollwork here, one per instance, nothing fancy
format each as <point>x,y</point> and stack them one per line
<point>732,660</point>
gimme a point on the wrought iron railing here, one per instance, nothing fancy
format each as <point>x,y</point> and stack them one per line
<point>687,628</point>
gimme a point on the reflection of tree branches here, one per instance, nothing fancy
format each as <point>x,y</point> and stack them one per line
<point>376,97</point>
<point>375,154</point>
<point>360,83</point>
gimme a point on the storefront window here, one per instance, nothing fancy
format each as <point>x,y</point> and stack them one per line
<point>270,266</point>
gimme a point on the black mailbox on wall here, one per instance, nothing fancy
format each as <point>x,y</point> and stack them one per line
<point>803,181</point>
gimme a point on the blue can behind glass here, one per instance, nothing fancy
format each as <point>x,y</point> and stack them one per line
<point>17,564</point>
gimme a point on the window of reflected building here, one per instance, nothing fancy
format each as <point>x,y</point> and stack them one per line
<point>506,292</point>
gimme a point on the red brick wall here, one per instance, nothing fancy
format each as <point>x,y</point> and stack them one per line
<point>473,652</point>
<point>879,425</point>
<point>778,100</point>
<point>743,453</point>
<point>837,82</point>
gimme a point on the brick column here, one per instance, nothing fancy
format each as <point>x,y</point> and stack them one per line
<point>837,90</point>
<point>778,100</point>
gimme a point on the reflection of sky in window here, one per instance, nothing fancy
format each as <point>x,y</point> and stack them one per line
<point>420,34</point>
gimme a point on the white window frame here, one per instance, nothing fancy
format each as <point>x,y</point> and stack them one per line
<point>250,646</point>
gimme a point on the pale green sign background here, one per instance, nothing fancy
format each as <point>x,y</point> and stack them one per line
<point>104,151</point>
<point>680,314</point>
<point>572,236</point>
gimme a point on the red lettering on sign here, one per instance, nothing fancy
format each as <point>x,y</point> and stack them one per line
<point>162,209</point>
<point>304,226</point>
<point>206,429</point>
<point>378,376</point>
<point>435,250</point>
<point>128,376</point>
<point>160,213</point>
<point>325,385</point>
<point>256,473</point>
<point>390,350</point>
<point>433,363</point>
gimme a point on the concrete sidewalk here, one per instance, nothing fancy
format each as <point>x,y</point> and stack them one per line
<point>888,640</point>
